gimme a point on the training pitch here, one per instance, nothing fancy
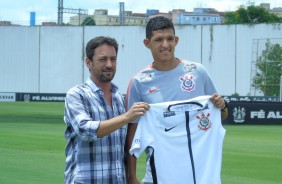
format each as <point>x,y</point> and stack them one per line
<point>32,148</point>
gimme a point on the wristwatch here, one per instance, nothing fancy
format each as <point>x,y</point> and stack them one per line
<point>226,105</point>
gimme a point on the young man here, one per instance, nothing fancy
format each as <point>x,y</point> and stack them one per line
<point>166,79</point>
<point>96,119</point>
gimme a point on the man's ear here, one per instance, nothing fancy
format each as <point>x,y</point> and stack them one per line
<point>176,40</point>
<point>147,43</point>
<point>88,62</point>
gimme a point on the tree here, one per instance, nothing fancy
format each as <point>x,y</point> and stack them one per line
<point>251,15</point>
<point>269,66</point>
<point>88,21</point>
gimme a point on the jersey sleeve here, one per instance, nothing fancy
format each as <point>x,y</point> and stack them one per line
<point>208,83</point>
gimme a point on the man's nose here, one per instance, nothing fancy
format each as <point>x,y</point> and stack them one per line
<point>109,62</point>
<point>165,43</point>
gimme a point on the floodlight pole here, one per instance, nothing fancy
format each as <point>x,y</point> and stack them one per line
<point>62,10</point>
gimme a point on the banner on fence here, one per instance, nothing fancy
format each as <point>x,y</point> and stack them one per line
<point>7,97</point>
<point>254,113</point>
<point>41,97</point>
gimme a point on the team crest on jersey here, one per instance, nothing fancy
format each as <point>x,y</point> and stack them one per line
<point>204,123</point>
<point>144,77</point>
<point>239,114</point>
<point>187,83</point>
<point>189,67</point>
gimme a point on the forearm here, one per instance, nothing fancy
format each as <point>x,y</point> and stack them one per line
<point>131,168</point>
<point>224,114</point>
<point>131,161</point>
<point>108,126</point>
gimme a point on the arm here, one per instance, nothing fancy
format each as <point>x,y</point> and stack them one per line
<point>216,99</point>
<point>131,161</point>
<point>224,114</point>
<point>77,117</point>
<point>132,96</point>
<point>219,102</point>
<point>108,126</point>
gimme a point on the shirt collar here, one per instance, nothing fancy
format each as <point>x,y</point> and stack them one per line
<point>96,88</point>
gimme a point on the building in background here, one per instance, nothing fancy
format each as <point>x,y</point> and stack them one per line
<point>266,6</point>
<point>5,23</point>
<point>200,16</point>
<point>49,24</point>
<point>101,17</point>
<point>277,10</point>
<point>178,16</point>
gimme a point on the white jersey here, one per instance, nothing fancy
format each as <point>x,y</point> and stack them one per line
<point>186,139</point>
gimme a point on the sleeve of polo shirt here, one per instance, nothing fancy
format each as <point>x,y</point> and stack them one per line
<point>209,85</point>
<point>77,116</point>
<point>132,95</point>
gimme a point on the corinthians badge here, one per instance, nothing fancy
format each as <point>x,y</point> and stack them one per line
<point>204,123</point>
<point>187,83</point>
<point>239,114</point>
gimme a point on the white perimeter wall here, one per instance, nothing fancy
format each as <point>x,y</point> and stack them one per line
<point>50,59</point>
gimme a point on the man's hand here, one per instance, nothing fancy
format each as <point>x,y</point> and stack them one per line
<point>137,109</point>
<point>219,102</point>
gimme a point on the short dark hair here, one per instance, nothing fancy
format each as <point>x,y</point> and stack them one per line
<point>157,23</point>
<point>98,41</point>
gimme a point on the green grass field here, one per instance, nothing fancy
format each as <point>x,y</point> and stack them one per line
<point>32,148</point>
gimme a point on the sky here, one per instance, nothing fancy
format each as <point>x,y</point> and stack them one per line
<point>18,11</point>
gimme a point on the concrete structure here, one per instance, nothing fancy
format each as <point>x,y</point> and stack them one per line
<point>276,10</point>
<point>49,24</point>
<point>5,23</point>
<point>200,16</point>
<point>101,17</point>
<point>178,16</point>
<point>266,6</point>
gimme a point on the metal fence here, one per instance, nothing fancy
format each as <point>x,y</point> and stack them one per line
<point>50,59</point>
